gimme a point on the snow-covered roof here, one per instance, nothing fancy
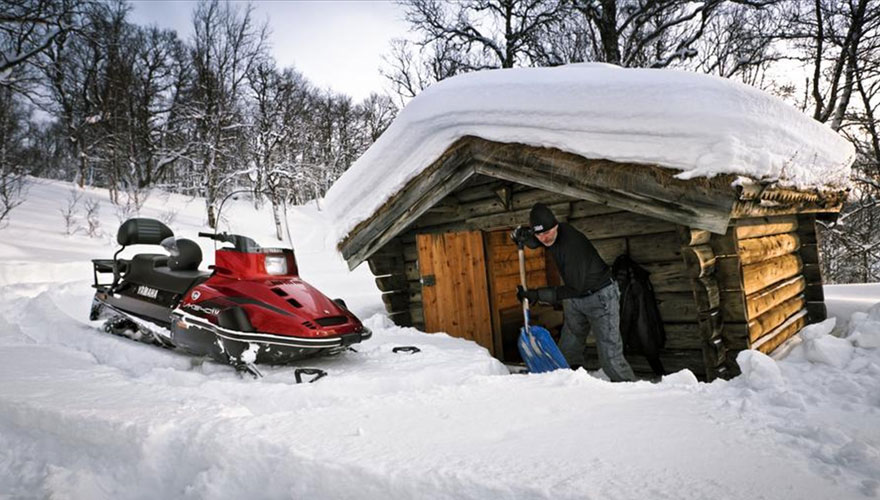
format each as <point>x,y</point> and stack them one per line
<point>700,124</point>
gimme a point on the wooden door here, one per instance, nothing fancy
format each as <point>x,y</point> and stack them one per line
<point>502,260</point>
<point>455,293</point>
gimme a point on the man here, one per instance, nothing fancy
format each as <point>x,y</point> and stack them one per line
<point>590,298</point>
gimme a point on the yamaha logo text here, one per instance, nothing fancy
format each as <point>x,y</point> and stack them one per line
<point>148,292</point>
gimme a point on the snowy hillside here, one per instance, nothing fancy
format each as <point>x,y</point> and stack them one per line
<point>86,415</point>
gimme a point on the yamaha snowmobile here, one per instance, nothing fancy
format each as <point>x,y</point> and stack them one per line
<point>252,307</point>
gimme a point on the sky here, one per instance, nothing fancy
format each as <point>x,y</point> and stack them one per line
<point>335,44</point>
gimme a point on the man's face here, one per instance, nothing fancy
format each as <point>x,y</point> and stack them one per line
<point>548,237</point>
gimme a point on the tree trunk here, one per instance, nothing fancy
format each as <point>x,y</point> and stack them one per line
<point>607,25</point>
<point>277,216</point>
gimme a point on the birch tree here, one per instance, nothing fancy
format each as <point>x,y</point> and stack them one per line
<point>226,45</point>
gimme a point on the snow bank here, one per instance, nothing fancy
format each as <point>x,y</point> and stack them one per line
<point>821,347</point>
<point>699,124</point>
<point>87,415</point>
<point>864,328</point>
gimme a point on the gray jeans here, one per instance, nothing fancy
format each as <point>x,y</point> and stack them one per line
<point>599,312</point>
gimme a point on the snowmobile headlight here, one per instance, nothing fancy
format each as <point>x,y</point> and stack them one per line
<point>276,264</point>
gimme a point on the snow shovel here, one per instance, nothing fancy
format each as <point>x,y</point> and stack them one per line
<point>535,344</point>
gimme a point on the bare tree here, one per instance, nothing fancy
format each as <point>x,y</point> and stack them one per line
<point>377,112</point>
<point>848,97</point>
<point>741,41</point>
<point>279,116</point>
<point>226,46</point>
<point>499,32</point>
<point>410,68</point>
<point>658,33</point>
<point>27,29</point>
<point>13,137</point>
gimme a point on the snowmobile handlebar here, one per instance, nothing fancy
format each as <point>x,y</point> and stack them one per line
<point>240,243</point>
<point>221,237</point>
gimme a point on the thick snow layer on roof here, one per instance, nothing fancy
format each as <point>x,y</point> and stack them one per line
<point>700,124</point>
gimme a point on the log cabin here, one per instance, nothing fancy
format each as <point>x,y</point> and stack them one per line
<point>734,259</point>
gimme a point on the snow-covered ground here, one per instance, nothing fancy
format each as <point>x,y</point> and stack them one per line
<point>86,415</point>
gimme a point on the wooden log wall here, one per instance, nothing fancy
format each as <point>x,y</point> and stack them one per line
<point>481,205</point>
<point>809,253</point>
<point>762,275</point>
<point>699,260</point>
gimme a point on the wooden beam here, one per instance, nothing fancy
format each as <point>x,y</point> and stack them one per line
<point>783,332</point>
<point>580,181</point>
<point>728,272</point>
<point>812,273</point>
<point>765,226</point>
<point>752,209</point>
<point>814,292</point>
<point>407,215</point>
<point>668,276</point>
<point>754,250</point>
<point>392,282</point>
<point>711,325</point>
<point>724,245</point>
<point>774,317</point>
<point>512,219</point>
<point>610,248</point>
<point>764,274</point>
<point>396,301</point>
<point>676,307</point>
<point>699,261</point>
<point>690,237</point>
<point>736,336</point>
<point>657,247</point>
<point>420,194</point>
<point>620,224</point>
<point>810,253</point>
<point>733,306</point>
<point>402,318</point>
<point>706,294</point>
<point>816,312</point>
<point>683,336</point>
<point>382,265</point>
<point>765,300</point>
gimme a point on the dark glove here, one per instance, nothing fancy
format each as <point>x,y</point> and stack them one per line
<point>521,294</point>
<point>522,235</point>
<point>545,294</point>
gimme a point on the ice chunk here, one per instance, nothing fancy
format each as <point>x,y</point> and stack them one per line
<point>681,377</point>
<point>759,370</point>
<point>864,329</point>
<point>821,347</point>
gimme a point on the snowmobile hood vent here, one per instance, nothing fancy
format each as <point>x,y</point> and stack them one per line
<point>331,320</point>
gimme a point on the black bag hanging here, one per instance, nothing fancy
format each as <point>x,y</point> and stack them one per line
<point>641,327</point>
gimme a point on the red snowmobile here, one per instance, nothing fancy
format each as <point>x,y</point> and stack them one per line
<point>251,308</point>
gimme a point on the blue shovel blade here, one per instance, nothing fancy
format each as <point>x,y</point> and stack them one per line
<point>539,351</point>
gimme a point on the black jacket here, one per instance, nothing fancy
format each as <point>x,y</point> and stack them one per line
<point>641,327</point>
<point>579,264</point>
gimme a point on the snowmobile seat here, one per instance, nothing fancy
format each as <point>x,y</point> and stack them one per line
<point>177,281</point>
<point>152,270</point>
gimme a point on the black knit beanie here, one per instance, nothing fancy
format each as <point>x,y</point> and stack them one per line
<point>541,218</point>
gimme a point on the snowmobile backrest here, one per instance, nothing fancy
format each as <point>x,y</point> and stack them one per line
<point>141,231</point>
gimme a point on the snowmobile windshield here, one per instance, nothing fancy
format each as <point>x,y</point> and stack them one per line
<point>251,225</point>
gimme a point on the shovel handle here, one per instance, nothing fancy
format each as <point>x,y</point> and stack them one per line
<point>522,278</point>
